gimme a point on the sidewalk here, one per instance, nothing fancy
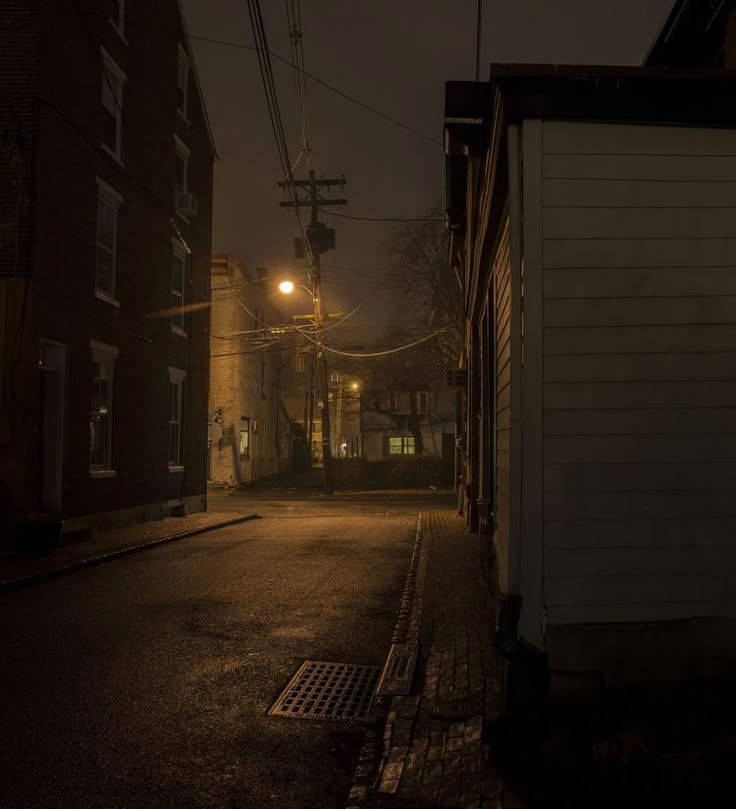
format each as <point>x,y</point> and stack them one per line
<point>432,753</point>
<point>447,745</point>
<point>102,546</point>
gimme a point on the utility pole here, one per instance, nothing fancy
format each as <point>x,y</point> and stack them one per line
<point>319,240</point>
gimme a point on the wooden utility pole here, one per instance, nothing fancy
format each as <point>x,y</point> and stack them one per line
<point>319,240</point>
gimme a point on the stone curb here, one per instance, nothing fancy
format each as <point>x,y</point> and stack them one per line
<point>53,573</point>
<point>367,771</point>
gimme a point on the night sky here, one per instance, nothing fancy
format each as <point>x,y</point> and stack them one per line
<point>396,57</point>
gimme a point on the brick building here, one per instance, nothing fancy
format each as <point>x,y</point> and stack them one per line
<point>250,430</point>
<point>106,163</point>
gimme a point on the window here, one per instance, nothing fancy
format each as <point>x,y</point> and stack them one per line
<point>108,203</point>
<point>176,387</point>
<point>401,445</point>
<point>182,83</point>
<point>422,401</point>
<point>301,362</point>
<point>100,414</point>
<point>244,435</point>
<point>179,272</point>
<point>263,380</point>
<point>182,153</point>
<point>117,14</point>
<point>112,105</point>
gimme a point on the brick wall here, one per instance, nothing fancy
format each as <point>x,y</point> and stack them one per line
<point>70,159</point>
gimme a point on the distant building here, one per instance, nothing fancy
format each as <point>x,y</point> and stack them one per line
<point>402,422</point>
<point>106,165</point>
<point>250,430</point>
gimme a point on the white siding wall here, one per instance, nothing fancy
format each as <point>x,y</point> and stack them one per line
<point>639,279</point>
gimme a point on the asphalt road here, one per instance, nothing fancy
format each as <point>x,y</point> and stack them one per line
<point>146,682</point>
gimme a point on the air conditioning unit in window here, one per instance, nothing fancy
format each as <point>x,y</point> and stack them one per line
<point>186,203</point>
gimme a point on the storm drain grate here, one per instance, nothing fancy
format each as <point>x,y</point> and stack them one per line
<point>329,691</point>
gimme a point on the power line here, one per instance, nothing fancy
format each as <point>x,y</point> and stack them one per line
<point>307,74</point>
<point>382,353</point>
<point>381,218</point>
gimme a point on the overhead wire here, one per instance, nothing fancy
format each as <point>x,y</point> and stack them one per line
<point>384,353</point>
<point>382,218</point>
<point>306,74</point>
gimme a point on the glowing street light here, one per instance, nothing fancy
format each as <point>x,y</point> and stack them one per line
<point>287,287</point>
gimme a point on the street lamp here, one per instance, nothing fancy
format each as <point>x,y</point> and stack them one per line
<point>287,287</point>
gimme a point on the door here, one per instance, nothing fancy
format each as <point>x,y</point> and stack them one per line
<point>52,395</point>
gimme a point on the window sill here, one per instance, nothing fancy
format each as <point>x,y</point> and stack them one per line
<point>103,296</point>
<point>174,469</point>
<point>177,330</point>
<point>102,473</point>
<point>113,155</point>
<point>119,32</point>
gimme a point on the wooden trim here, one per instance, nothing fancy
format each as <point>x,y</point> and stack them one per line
<point>532,476</point>
<point>515,438</point>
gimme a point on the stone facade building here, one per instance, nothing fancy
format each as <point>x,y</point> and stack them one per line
<point>250,431</point>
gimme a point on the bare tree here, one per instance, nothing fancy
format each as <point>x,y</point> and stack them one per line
<point>428,292</point>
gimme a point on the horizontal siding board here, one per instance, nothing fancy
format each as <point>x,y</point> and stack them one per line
<point>622,253</point>
<point>690,589</point>
<point>638,561</point>
<point>644,339</point>
<point>671,532</point>
<point>564,137</point>
<point>639,282</point>
<point>635,505</point>
<point>503,342</point>
<point>664,168</point>
<point>639,367</point>
<point>638,223</point>
<point>683,478</point>
<point>639,448</point>
<point>716,420</point>
<point>503,418</point>
<point>638,395</point>
<point>593,193</point>
<point>503,398</point>
<point>640,311</point>
<point>664,611</point>
<point>504,374</point>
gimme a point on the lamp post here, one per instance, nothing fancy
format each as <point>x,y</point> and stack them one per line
<point>287,287</point>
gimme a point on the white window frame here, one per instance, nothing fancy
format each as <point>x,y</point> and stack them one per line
<point>104,354</point>
<point>107,195</point>
<point>110,66</point>
<point>183,61</point>
<point>183,151</point>
<point>244,422</point>
<point>422,397</point>
<point>180,251</point>
<point>176,377</point>
<point>119,24</point>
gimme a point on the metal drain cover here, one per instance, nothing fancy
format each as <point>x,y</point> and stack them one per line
<point>328,691</point>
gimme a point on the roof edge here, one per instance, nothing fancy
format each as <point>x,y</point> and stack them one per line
<point>207,121</point>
